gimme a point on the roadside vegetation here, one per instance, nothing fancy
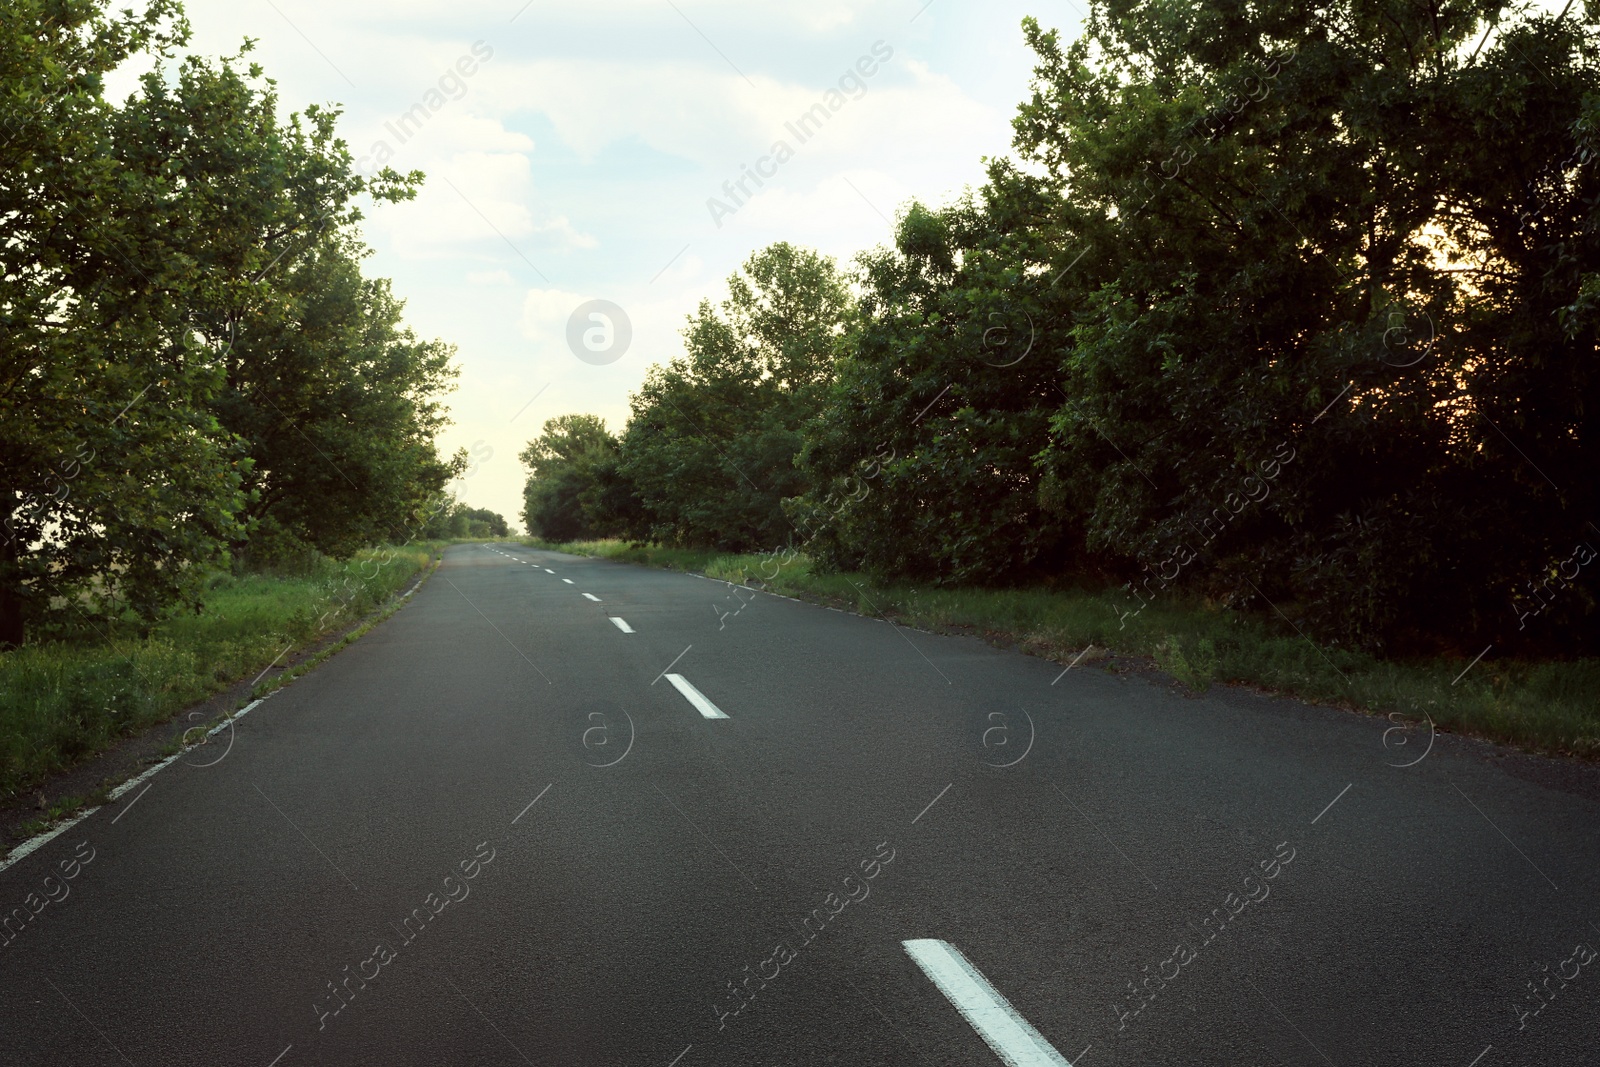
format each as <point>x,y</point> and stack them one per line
<point>1273,338</point>
<point>1544,706</point>
<point>209,413</point>
<point>196,374</point>
<point>66,700</point>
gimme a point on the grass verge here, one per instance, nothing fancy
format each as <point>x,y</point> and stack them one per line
<point>64,701</point>
<point>1542,706</point>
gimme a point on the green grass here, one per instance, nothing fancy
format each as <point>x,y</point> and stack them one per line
<point>1551,707</point>
<point>63,701</point>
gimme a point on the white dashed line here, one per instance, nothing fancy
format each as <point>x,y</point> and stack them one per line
<point>695,697</point>
<point>997,1022</point>
<point>591,596</point>
<point>621,625</point>
<point>547,570</point>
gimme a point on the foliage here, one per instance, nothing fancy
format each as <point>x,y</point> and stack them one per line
<point>142,244</point>
<point>709,452</point>
<point>922,455</point>
<point>571,464</point>
<point>1274,306</point>
<point>1340,235</point>
<point>478,522</point>
<point>335,402</point>
<point>1194,667</point>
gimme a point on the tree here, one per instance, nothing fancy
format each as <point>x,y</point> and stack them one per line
<point>113,475</point>
<point>711,445</point>
<point>477,522</point>
<point>136,241</point>
<point>562,500</point>
<point>1312,314</point>
<point>337,404</point>
<point>923,454</point>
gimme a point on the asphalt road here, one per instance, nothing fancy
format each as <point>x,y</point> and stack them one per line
<point>497,830</point>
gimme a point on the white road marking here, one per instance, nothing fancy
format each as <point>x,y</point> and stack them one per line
<point>569,581</point>
<point>621,625</point>
<point>695,697</point>
<point>592,597</point>
<point>1016,1042</point>
<point>36,843</point>
<point>547,570</point>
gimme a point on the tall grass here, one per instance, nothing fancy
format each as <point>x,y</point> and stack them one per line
<point>1544,706</point>
<point>64,700</point>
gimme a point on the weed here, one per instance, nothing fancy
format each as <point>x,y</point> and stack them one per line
<point>1195,673</point>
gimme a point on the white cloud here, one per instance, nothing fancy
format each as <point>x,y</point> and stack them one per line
<point>849,200</point>
<point>590,141</point>
<point>545,313</point>
<point>479,203</point>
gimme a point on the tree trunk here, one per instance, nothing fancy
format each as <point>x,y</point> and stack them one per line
<point>10,588</point>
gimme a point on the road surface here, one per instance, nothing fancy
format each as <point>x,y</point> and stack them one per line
<point>565,811</point>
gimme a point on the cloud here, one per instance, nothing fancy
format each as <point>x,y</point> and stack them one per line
<point>545,313</point>
<point>590,141</point>
<point>477,203</point>
<point>710,117</point>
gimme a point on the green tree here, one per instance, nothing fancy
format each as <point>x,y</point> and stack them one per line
<point>562,500</point>
<point>113,475</point>
<point>478,522</point>
<point>1303,235</point>
<point>923,454</point>
<point>338,405</point>
<point>137,238</point>
<point>711,445</point>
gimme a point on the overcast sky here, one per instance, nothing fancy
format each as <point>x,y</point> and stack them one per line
<point>571,149</point>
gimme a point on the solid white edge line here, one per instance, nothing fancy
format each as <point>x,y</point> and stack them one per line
<point>592,597</point>
<point>22,851</point>
<point>695,697</point>
<point>621,624</point>
<point>33,844</point>
<point>241,713</point>
<point>1010,1036</point>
